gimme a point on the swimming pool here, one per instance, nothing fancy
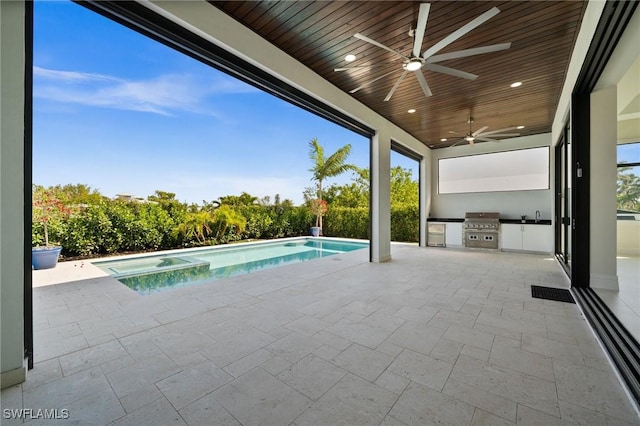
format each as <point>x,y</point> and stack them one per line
<point>154,273</point>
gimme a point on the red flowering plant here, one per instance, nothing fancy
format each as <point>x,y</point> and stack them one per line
<point>47,208</point>
<point>319,208</point>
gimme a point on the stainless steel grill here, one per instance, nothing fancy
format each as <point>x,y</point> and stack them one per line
<point>481,230</point>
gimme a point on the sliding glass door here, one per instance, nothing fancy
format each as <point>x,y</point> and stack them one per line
<point>563,221</point>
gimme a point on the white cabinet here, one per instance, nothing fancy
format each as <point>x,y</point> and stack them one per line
<point>454,234</point>
<point>525,237</point>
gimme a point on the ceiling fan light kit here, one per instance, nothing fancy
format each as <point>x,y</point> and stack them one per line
<point>428,59</point>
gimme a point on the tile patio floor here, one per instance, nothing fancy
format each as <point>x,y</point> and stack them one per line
<point>437,336</point>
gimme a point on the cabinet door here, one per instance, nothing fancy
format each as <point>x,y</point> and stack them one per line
<point>537,238</point>
<point>511,236</point>
<point>454,234</point>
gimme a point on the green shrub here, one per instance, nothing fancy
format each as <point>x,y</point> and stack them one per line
<point>405,221</point>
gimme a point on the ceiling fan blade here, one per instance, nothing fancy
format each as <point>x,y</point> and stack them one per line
<point>493,132</point>
<point>371,81</point>
<point>461,31</point>
<point>395,86</point>
<point>501,135</point>
<point>479,131</point>
<point>380,45</point>
<point>421,26</point>
<point>360,67</point>
<point>423,83</point>
<point>450,71</point>
<point>486,139</point>
<point>467,52</point>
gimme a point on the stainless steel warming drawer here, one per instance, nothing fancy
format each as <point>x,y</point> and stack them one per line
<point>436,234</point>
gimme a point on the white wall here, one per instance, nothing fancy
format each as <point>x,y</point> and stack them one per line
<point>602,191</point>
<point>11,191</point>
<point>511,204</point>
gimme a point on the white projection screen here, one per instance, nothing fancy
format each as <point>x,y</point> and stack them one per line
<point>520,170</point>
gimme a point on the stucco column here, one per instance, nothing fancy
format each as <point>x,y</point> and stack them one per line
<point>380,197</point>
<point>602,203</point>
<point>12,60</point>
<point>425,198</point>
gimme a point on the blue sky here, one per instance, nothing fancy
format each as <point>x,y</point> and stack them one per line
<point>125,114</point>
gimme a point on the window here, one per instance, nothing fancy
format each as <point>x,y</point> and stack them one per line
<point>519,170</point>
<point>628,188</point>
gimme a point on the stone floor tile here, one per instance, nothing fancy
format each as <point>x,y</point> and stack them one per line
<point>207,411</point>
<point>580,415</point>
<point>11,399</point>
<point>529,417</point>
<point>129,380</point>
<point>159,412</point>
<point>362,361</point>
<point>420,316</point>
<point>307,325</point>
<point>477,353</point>
<point>352,401</point>
<point>417,337</point>
<point>257,398</point>
<point>140,397</point>
<point>57,341</point>
<point>42,373</point>
<point>421,369</point>
<point>311,376</point>
<point>248,363</point>
<point>294,347</point>
<point>519,387</point>
<point>62,392</point>
<point>419,405</point>
<point>332,340</point>
<point>592,389</point>
<point>551,348</point>
<point>193,383</point>
<point>471,337</point>
<point>506,354</point>
<point>491,403</point>
<point>482,418</point>
<point>91,357</point>
<point>275,365</point>
<point>100,408</point>
<point>392,382</point>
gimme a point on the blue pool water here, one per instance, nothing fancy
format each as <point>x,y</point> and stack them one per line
<point>151,274</point>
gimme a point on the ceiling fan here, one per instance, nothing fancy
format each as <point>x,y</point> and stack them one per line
<point>481,135</point>
<point>429,60</point>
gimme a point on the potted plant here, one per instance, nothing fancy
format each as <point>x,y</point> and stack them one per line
<point>318,208</point>
<point>46,207</point>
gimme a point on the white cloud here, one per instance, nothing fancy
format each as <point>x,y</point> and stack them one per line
<point>165,94</point>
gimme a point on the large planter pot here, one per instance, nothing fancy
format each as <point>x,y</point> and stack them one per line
<point>45,257</point>
<point>315,231</point>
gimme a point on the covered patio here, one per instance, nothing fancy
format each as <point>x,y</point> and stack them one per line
<point>437,335</point>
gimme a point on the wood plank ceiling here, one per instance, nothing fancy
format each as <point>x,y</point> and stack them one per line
<point>319,34</point>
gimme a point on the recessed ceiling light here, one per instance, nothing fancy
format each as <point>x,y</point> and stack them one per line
<point>350,57</point>
<point>411,111</point>
<point>520,127</point>
<point>516,84</point>
<point>443,140</point>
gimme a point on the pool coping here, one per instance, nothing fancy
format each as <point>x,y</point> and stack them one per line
<point>77,270</point>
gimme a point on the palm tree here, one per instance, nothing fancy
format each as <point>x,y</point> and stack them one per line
<point>325,167</point>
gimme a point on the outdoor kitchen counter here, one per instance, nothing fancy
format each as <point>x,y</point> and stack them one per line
<point>513,221</point>
<point>527,221</point>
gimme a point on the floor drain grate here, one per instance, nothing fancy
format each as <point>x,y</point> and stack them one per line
<point>550,293</point>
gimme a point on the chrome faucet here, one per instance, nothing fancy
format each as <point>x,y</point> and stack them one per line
<point>537,216</point>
